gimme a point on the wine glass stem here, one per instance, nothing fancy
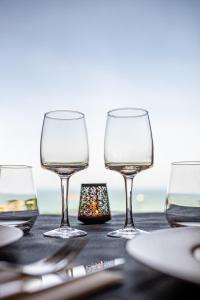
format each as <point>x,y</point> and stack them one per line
<point>129,188</point>
<point>64,192</point>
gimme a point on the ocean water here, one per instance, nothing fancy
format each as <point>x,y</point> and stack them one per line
<point>49,201</point>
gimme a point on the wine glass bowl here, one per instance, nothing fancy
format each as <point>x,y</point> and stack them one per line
<point>64,150</point>
<point>128,149</point>
<point>18,198</point>
<point>183,195</point>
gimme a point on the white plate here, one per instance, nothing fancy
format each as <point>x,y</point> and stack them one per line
<point>174,251</point>
<point>9,235</point>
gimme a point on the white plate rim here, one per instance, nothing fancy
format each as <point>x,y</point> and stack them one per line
<point>167,271</point>
<point>14,234</point>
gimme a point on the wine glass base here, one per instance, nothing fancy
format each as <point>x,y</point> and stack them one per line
<point>65,233</point>
<point>127,233</point>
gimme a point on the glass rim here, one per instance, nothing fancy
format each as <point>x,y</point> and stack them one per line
<point>185,163</point>
<point>15,167</point>
<point>80,115</point>
<point>142,113</point>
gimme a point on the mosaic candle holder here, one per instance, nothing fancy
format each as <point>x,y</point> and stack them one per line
<point>94,205</point>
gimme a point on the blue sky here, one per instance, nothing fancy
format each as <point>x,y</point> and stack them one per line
<point>93,56</point>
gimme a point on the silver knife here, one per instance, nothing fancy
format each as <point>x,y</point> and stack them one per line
<point>30,285</point>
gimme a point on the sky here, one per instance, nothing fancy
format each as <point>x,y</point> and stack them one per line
<point>93,56</point>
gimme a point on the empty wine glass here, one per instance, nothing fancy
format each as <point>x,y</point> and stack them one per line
<point>64,150</point>
<point>128,149</point>
<point>183,196</point>
<point>18,199</point>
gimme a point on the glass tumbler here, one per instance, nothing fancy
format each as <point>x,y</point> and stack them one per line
<point>18,200</point>
<point>183,196</point>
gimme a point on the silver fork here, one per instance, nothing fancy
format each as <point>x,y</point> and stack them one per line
<point>55,262</point>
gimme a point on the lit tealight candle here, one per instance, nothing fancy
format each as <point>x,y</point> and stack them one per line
<point>94,203</point>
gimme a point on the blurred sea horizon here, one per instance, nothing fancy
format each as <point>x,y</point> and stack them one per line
<point>144,200</point>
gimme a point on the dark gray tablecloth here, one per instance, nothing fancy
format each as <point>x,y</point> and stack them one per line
<point>140,281</point>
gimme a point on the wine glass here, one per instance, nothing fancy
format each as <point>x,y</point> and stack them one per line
<point>18,199</point>
<point>128,149</point>
<point>64,150</point>
<point>183,196</point>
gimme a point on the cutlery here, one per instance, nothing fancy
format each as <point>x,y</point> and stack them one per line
<point>49,281</point>
<point>53,263</point>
